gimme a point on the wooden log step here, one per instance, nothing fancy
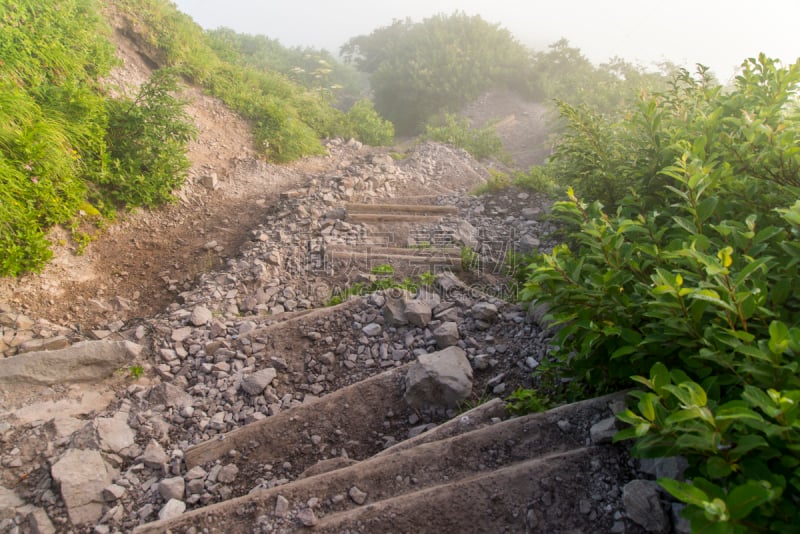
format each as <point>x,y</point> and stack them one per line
<point>452,262</point>
<point>378,250</point>
<point>391,217</point>
<point>427,209</point>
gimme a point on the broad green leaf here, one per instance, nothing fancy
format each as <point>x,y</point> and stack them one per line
<point>717,467</point>
<point>684,415</point>
<point>743,499</point>
<point>778,337</point>
<point>684,492</point>
<point>659,376</point>
<point>746,444</point>
<point>647,406</point>
<point>712,296</point>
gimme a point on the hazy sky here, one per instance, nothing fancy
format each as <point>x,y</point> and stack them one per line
<point>718,33</point>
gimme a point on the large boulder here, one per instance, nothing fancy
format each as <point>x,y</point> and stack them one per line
<point>83,475</point>
<point>86,361</point>
<point>441,378</point>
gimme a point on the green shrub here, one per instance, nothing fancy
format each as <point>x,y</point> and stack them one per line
<point>364,123</point>
<point>148,138</point>
<point>498,180</point>
<point>691,285</point>
<point>525,401</point>
<point>482,143</point>
<point>52,121</point>
<point>538,179</point>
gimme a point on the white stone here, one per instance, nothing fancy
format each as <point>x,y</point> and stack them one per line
<point>114,432</point>
<point>172,509</point>
<point>82,476</point>
<point>255,383</point>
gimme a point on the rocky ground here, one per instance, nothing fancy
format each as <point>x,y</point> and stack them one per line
<point>190,368</point>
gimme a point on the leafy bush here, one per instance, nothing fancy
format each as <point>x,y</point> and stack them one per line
<point>438,65</point>
<point>317,70</point>
<point>364,123</point>
<point>497,181</point>
<point>538,179</point>
<point>692,282</point>
<point>564,73</point>
<point>482,143</point>
<point>148,138</point>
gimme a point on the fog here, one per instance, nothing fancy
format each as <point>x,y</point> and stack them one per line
<point>717,33</point>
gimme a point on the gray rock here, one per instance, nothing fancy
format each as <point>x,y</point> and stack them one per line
<point>358,496</point>
<point>373,329</point>
<point>82,476</point>
<point>196,473</point>
<point>603,431</point>
<point>643,506</point>
<point>172,488</point>
<point>529,243</point>
<point>114,432</point>
<point>170,396</point>
<point>446,334</point>
<point>418,312</point>
<point>336,214</point>
<point>484,311</point>
<point>209,181</point>
<point>228,474</point>
<point>154,455</point>
<point>394,310</point>
<point>441,378</point>
<point>467,234</point>
<point>181,334</point>
<point>172,509</point>
<point>680,525</point>
<point>113,492</point>
<point>87,361</point>
<point>255,383</point>
<point>201,316</point>
<point>9,502</point>
<point>39,522</point>
<point>307,517</point>
<point>281,507</point>
<point>671,467</point>
<point>537,311</point>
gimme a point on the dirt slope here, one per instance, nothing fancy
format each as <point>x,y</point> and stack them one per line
<point>136,267</point>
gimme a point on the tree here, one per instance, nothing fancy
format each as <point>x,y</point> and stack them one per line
<point>420,69</point>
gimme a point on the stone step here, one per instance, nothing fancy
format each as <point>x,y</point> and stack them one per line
<point>491,456</point>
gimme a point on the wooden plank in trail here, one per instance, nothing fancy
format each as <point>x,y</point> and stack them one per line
<point>422,252</point>
<point>452,262</point>
<point>419,209</point>
<point>391,217</point>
